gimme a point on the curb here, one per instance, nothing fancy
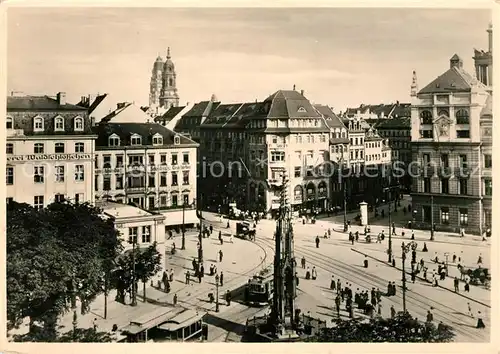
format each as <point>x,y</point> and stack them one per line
<point>439,286</point>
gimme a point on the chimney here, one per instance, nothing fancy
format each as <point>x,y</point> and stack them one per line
<point>294,87</point>
<point>456,62</point>
<point>61,98</point>
<point>302,92</point>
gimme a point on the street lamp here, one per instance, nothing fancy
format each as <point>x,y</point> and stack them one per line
<point>200,236</point>
<point>432,218</point>
<point>389,250</point>
<point>404,250</point>
<point>183,245</point>
<point>133,240</point>
<point>217,292</point>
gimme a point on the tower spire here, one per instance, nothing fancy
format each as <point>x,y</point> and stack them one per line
<point>168,53</point>
<point>414,86</point>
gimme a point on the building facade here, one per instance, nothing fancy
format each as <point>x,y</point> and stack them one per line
<point>163,86</point>
<point>50,151</point>
<point>451,141</point>
<point>144,163</point>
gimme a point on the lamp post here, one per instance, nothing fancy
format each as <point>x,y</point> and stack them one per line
<point>217,292</point>
<point>183,245</point>
<point>133,239</point>
<point>404,250</point>
<point>200,236</point>
<point>432,218</point>
<point>344,184</point>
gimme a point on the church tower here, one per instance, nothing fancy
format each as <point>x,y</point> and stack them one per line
<point>483,61</point>
<point>156,84</point>
<point>169,97</point>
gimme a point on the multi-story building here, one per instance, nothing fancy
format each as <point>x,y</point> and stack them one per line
<point>50,151</point>
<point>163,86</point>
<point>141,162</point>
<point>451,140</point>
<point>246,147</point>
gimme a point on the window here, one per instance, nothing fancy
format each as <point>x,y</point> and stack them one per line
<point>185,158</point>
<point>79,173</point>
<point>177,140</point>
<point>58,124</point>
<point>426,134</point>
<point>277,156</point>
<point>174,200</point>
<point>119,161</point>
<point>174,179</point>
<point>426,117</point>
<point>462,186</point>
<point>79,147</point>
<point>488,187</point>
<point>426,159</point>
<point>38,124</point>
<point>59,149</point>
<point>38,175</point>
<point>462,116</point>
<point>309,171</point>
<point>10,175</point>
<point>106,161</point>
<point>463,216</point>
<point>114,140</point>
<point>59,173</point>
<point>96,183</point>
<point>146,234</point>
<point>38,202</point>
<point>174,159</point>
<point>151,181</point>
<point>106,185</point>
<point>445,184</point>
<point>297,171</point>
<point>487,161</point>
<point>78,197</point>
<point>151,202</point>
<point>463,134</point>
<point>157,139</point>
<point>59,198</point>
<point>135,160</point>
<point>151,159</point>
<point>163,179</point>
<point>185,177</point>
<point>445,215</point>
<point>322,138</point>
<point>10,148</point>
<point>444,160</point>
<point>135,140</point>
<point>9,123</point>
<point>39,148</point>
<point>119,182</point>
<point>426,213</point>
<point>462,160</point>
<point>79,124</point>
<point>163,159</point>
<point>132,234</point>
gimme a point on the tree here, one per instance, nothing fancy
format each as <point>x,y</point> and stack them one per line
<point>54,256</point>
<point>147,264</point>
<point>403,328</point>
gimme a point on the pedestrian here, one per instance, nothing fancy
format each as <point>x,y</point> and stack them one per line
<point>329,233</point>
<point>339,285</point>
<point>231,238</point>
<point>199,277</point>
<point>466,286</point>
<point>314,273</point>
<point>436,258</point>
<point>332,283</point>
<point>187,277</point>
<point>303,262</point>
<point>296,280</point>
<point>228,298</point>
<point>365,262</point>
<point>413,277</point>
<point>469,309</point>
<point>171,275</point>
<point>175,300</point>
<point>221,241</point>
<point>394,288</point>
<point>337,305</point>
<point>195,265</point>
<point>94,324</point>
<point>456,283</point>
<point>454,257</point>
<point>389,289</point>
<point>317,241</point>
<point>308,274</point>
<point>480,323</point>
<point>424,249</point>
<point>211,229</point>
<point>430,316</point>
<point>393,229</point>
<point>393,312</point>
<point>221,277</point>
<point>480,260</point>
<point>413,235</point>
<point>220,255</point>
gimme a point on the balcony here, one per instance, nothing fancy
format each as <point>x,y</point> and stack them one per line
<point>135,167</point>
<point>135,189</point>
<point>463,171</point>
<point>445,171</point>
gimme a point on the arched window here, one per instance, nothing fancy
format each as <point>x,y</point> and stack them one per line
<point>462,116</point>
<point>38,124</point>
<point>426,117</point>
<point>444,112</point>
<point>114,140</point>
<point>78,124</point>
<point>177,140</point>
<point>58,124</point>
<point>170,82</point>
<point>9,123</point>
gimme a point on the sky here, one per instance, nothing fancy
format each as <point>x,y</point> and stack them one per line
<point>339,56</point>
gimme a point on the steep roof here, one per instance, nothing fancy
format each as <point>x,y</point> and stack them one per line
<point>128,113</point>
<point>200,109</point>
<point>171,113</point>
<point>487,109</point>
<point>39,103</point>
<point>331,119</point>
<point>455,79</point>
<point>145,130</point>
<point>394,123</point>
<point>290,104</point>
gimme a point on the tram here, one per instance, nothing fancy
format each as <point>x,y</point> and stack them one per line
<point>259,290</point>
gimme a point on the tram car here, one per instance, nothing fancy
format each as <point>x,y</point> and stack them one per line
<point>259,290</point>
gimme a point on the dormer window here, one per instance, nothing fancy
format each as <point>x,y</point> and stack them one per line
<point>157,139</point>
<point>58,124</point>
<point>301,110</point>
<point>9,123</point>
<point>38,124</point>
<point>177,140</point>
<point>114,140</point>
<point>136,139</point>
<point>78,123</point>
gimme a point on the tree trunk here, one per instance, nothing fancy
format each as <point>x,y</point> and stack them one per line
<point>144,290</point>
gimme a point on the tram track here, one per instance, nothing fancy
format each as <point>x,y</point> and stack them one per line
<point>368,280</point>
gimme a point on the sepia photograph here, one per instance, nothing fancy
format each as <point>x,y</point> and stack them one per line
<point>249,175</point>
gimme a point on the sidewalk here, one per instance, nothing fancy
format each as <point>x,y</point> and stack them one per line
<point>236,269</point>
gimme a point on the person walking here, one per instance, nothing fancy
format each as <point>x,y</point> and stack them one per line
<point>187,277</point>
<point>221,278</point>
<point>199,277</point>
<point>175,299</point>
<point>332,283</point>
<point>317,241</point>
<point>393,312</point>
<point>466,286</point>
<point>480,323</point>
<point>337,305</point>
<point>314,273</point>
<point>430,316</point>
<point>220,255</point>
<point>456,283</point>
<point>228,298</point>
<point>454,257</point>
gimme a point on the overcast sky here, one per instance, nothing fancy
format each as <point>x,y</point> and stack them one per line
<point>340,57</point>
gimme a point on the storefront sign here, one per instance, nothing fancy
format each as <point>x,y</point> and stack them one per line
<point>49,157</point>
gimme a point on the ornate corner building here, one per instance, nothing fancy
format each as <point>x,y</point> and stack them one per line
<point>451,147</point>
<point>163,87</point>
